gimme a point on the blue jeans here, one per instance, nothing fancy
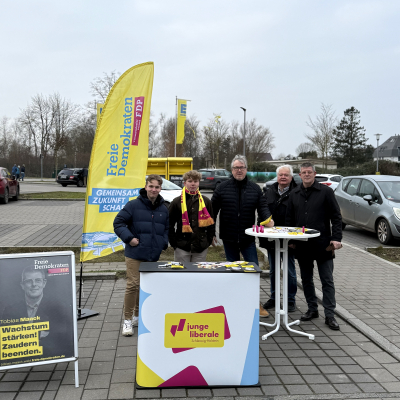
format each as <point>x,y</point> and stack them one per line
<point>233,250</point>
<point>292,278</point>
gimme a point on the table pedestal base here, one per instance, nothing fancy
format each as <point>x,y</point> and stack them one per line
<point>284,312</point>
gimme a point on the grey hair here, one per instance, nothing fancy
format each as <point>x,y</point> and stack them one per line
<point>240,158</point>
<point>289,167</point>
<point>308,165</point>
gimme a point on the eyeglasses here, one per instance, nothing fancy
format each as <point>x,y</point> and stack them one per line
<point>239,168</point>
<point>31,282</point>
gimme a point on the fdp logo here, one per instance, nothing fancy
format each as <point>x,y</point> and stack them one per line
<point>183,110</point>
<point>184,331</point>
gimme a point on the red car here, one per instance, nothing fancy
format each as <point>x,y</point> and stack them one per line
<point>9,186</point>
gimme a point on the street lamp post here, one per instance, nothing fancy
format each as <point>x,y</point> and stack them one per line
<point>244,131</point>
<point>377,135</point>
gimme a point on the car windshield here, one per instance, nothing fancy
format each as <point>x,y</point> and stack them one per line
<point>167,185</point>
<point>205,174</point>
<point>67,172</point>
<point>391,190</point>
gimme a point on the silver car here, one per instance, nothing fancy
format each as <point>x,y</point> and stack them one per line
<point>371,202</point>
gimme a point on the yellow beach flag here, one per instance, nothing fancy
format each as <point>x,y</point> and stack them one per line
<point>181,118</point>
<point>118,161</point>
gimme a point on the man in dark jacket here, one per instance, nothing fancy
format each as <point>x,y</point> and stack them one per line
<point>192,238</point>
<point>238,199</point>
<point>143,226</point>
<point>277,198</point>
<point>314,206</point>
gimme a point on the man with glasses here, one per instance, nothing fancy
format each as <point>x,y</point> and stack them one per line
<point>314,206</point>
<point>36,307</point>
<point>238,199</point>
<point>32,283</point>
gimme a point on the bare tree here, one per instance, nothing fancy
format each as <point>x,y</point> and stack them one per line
<point>167,132</point>
<point>259,140</point>
<point>305,147</point>
<point>65,115</point>
<point>322,126</point>
<point>37,120</point>
<point>153,137</point>
<point>101,86</point>
<point>191,142</point>
<point>213,136</point>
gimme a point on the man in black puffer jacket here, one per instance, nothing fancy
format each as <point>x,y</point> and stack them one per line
<point>277,198</point>
<point>238,199</point>
<point>143,226</point>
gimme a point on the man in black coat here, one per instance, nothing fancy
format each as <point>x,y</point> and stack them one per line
<point>238,199</point>
<point>277,198</point>
<point>314,206</point>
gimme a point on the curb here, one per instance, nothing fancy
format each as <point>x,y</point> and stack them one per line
<point>351,319</point>
<point>90,276</point>
<point>20,199</point>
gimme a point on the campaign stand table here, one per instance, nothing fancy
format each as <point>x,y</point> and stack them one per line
<point>282,237</point>
<point>197,327</point>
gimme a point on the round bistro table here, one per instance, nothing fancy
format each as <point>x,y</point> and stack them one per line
<point>274,234</point>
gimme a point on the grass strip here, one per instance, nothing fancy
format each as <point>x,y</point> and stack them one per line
<point>52,195</point>
<point>386,253</point>
<point>216,254</point>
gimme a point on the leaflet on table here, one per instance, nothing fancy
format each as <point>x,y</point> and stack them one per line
<point>172,264</point>
<point>278,229</point>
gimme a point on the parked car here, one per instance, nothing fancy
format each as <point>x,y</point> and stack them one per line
<point>71,176</point>
<point>371,202</point>
<point>169,191</point>
<point>211,178</point>
<point>267,185</point>
<point>330,180</point>
<point>9,186</point>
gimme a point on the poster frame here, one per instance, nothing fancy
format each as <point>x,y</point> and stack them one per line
<point>74,311</point>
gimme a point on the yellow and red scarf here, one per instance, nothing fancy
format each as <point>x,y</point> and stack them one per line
<point>204,216</point>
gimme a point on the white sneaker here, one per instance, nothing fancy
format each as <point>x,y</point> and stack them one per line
<point>135,321</point>
<point>127,329</point>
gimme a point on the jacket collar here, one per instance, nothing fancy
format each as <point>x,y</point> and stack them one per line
<point>143,197</point>
<point>292,186</point>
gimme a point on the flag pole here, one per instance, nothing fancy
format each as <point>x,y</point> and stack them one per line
<point>176,122</point>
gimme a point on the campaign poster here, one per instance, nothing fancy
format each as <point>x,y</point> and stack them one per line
<point>37,309</point>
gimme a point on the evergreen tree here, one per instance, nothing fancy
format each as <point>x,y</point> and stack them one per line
<point>349,139</point>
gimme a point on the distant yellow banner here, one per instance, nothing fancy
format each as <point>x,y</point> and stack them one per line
<point>118,161</point>
<point>181,117</point>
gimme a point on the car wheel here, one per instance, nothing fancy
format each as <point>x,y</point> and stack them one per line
<point>80,183</point>
<point>4,200</point>
<point>64,185</point>
<point>15,198</point>
<point>343,226</point>
<point>383,231</point>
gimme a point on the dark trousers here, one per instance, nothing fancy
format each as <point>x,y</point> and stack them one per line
<point>233,250</point>
<point>325,269</point>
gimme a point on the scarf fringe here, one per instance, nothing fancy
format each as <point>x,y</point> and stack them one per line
<point>186,229</point>
<point>206,222</point>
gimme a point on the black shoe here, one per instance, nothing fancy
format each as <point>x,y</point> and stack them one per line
<point>309,315</point>
<point>291,306</point>
<point>269,304</point>
<point>331,322</point>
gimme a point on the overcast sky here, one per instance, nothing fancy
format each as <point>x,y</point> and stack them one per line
<point>278,59</point>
